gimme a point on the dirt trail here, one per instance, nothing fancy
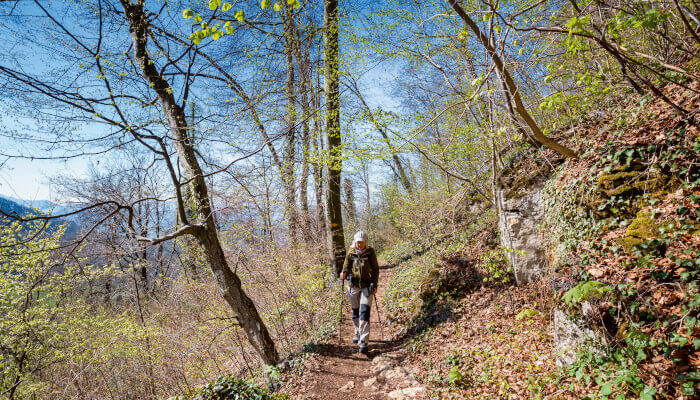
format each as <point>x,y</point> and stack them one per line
<point>339,371</point>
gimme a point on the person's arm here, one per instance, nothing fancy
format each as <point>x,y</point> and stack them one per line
<point>375,268</point>
<point>346,264</point>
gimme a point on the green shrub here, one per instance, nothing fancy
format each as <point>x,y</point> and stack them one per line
<point>228,387</point>
<point>497,266</point>
<point>583,291</point>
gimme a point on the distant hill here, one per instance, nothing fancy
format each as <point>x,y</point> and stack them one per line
<point>23,208</point>
<point>44,206</point>
<point>11,207</point>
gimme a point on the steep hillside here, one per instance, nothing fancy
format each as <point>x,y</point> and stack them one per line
<point>614,310</point>
<point>9,207</point>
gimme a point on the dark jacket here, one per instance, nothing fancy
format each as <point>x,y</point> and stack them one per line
<point>364,269</point>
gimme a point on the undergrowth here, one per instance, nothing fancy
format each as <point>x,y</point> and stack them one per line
<point>229,387</point>
<point>622,224</point>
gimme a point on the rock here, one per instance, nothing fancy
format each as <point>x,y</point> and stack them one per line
<point>283,365</point>
<point>518,218</point>
<point>381,364</point>
<point>407,393</point>
<point>379,359</point>
<point>396,395</point>
<point>629,181</point>
<point>414,391</point>
<point>348,387</point>
<point>642,228</point>
<point>395,373</point>
<point>369,382</point>
<point>569,337</point>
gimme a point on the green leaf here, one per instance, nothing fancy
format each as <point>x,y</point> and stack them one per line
<point>264,4</point>
<point>526,313</point>
<point>227,6</point>
<point>455,375</point>
<point>196,38</point>
<point>583,291</point>
<point>296,4</point>
<point>240,15</point>
<point>606,390</point>
<point>187,14</point>
<point>647,393</point>
<point>277,7</point>
<point>214,4</point>
<point>197,18</point>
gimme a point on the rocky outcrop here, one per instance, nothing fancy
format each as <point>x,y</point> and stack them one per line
<point>388,370</point>
<point>571,337</point>
<point>519,214</point>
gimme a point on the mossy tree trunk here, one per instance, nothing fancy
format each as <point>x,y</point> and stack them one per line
<point>204,230</point>
<point>333,139</point>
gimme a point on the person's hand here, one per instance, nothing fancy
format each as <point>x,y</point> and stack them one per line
<point>342,276</point>
<point>373,290</point>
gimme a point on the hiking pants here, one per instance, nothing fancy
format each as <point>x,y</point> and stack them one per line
<point>360,301</point>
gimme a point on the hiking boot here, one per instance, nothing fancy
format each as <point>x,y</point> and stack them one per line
<point>363,348</point>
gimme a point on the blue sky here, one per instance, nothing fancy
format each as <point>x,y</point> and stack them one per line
<point>29,179</point>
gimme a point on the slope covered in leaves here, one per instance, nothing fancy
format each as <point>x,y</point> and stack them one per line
<point>621,236</point>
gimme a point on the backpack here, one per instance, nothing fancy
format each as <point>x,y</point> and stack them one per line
<point>361,268</point>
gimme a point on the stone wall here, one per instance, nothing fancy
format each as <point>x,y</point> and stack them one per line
<point>519,214</point>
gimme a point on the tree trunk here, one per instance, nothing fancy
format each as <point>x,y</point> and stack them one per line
<point>228,282</point>
<point>397,162</point>
<point>333,139</point>
<point>317,168</point>
<point>350,209</point>
<point>304,87</point>
<point>510,86</point>
<point>290,135</point>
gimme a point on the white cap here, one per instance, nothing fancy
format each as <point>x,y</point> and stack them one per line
<point>360,236</point>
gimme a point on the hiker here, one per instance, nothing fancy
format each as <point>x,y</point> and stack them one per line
<point>362,269</point>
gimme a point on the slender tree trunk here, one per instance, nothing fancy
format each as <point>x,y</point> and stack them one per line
<point>317,168</point>
<point>304,87</point>
<point>511,87</point>
<point>228,282</point>
<point>290,135</point>
<point>333,138</point>
<point>382,131</point>
<point>681,14</point>
<point>350,209</point>
<point>304,220</point>
<point>317,171</point>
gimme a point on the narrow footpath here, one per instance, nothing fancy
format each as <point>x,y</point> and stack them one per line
<point>339,371</point>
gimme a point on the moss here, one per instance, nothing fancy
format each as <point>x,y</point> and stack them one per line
<point>429,283</point>
<point>514,194</point>
<point>627,182</point>
<point>617,183</point>
<point>643,226</point>
<point>640,229</point>
<point>628,242</point>
<point>517,181</point>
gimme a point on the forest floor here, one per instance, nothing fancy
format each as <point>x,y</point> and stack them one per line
<point>496,354</point>
<point>338,371</point>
